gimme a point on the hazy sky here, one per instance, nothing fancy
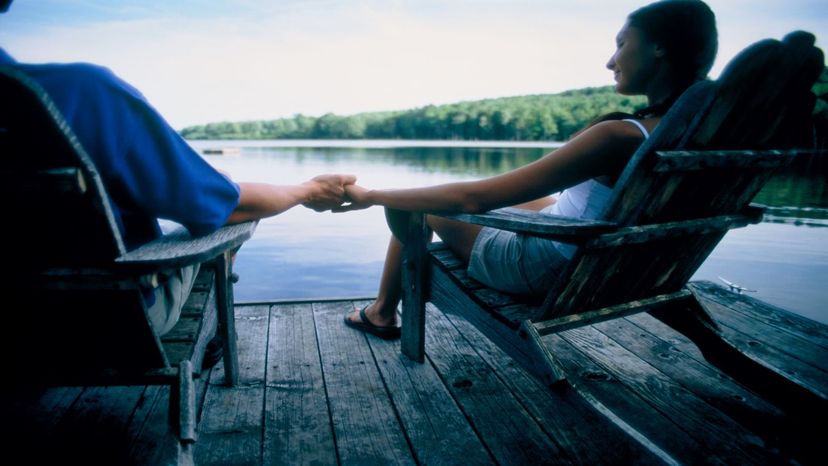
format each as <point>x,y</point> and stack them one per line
<point>199,61</point>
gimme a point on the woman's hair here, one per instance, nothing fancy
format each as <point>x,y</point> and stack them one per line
<point>686,31</point>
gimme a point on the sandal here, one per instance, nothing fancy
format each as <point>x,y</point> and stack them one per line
<point>389,332</point>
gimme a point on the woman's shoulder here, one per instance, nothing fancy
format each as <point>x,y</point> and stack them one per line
<point>616,131</point>
<point>606,145</point>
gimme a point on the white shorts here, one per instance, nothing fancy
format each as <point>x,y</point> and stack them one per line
<point>513,262</point>
<point>170,298</point>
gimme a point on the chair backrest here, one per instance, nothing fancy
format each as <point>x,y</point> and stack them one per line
<point>761,101</point>
<point>66,313</point>
<point>669,201</point>
<point>51,189</point>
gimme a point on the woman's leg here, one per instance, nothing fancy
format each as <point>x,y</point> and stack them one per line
<point>458,236</point>
<point>382,312</point>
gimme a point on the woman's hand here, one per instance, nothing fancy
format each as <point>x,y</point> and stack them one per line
<point>356,198</point>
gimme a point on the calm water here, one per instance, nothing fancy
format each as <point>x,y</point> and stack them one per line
<point>303,254</point>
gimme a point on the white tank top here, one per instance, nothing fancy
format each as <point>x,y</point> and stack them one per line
<point>585,200</point>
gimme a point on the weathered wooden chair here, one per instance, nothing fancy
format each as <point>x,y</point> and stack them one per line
<point>681,192</point>
<point>74,311</point>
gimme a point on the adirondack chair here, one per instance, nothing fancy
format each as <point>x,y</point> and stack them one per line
<point>683,189</point>
<point>74,309</point>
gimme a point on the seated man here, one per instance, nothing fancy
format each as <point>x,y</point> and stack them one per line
<point>151,173</point>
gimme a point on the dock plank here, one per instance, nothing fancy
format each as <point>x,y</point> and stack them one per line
<point>95,428</point>
<point>38,410</point>
<point>639,335</point>
<point>316,392</point>
<point>230,431</point>
<point>761,312</point>
<point>153,440</point>
<point>779,429</point>
<point>144,428</point>
<point>713,429</point>
<point>771,335</point>
<point>614,395</point>
<point>435,426</point>
<point>365,424</point>
<point>30,417</point>
<point>297,424</point>
<point>796,359</point>
<point>586,435</point>
<point>509,432</point>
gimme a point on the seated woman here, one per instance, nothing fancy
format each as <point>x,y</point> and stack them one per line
<point>662,49</point>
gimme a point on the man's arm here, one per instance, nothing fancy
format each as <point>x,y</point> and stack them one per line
<point>260,200</point>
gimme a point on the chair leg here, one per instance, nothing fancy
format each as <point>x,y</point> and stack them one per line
<point>539,360</point>
<point>413,330</point>
<point>414,288</point>
<point>227,320</point>
<point>185,454</point>
<point>182,415</point>
<point>186,403</point>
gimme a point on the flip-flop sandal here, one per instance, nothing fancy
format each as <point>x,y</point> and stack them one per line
<point>389,332</point>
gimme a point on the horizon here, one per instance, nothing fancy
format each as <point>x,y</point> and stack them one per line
<point>201,62</point>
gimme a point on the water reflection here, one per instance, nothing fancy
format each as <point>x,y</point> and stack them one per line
<point>798,193</point>
<point>455,160</point>
<point>302,254</point>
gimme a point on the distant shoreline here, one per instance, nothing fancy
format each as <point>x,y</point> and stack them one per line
<point>540,117</point>
<point>213,144</point>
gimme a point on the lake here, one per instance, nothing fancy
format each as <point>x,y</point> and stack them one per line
<point>302,254</point>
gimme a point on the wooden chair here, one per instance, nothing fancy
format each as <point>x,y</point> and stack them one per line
<point>684,188</point>
<point>74,311</point>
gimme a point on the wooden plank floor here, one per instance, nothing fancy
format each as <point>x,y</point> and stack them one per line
<point>313,391</point>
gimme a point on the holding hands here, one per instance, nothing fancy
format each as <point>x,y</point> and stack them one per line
<point>356,198</point>
<point>327,192</point>
<point>337,193</point>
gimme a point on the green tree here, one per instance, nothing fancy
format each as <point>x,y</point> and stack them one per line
<point>531,117</point>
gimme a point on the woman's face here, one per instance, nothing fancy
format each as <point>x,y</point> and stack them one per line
<point>634,61</point>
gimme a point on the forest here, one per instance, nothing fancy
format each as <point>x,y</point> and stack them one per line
<point>544,117</point>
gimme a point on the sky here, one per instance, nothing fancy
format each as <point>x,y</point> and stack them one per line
<point>200,61</point>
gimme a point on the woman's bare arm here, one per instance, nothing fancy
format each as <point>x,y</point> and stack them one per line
<point>601,150</point>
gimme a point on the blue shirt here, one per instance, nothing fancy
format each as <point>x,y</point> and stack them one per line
<point>148,170</point>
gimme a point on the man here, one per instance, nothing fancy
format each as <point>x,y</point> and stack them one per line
<point>150,172</point>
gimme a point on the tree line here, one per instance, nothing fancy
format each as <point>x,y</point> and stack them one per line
<point>552,117</point>
<point>543,117</point>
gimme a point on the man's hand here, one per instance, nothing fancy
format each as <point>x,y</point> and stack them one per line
<point>327,191</point>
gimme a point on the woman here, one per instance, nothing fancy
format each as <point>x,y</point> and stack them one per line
<point>662,49</point>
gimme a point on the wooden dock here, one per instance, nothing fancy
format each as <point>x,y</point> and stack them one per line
<point>316,392</point>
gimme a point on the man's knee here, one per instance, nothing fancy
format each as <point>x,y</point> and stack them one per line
<point>170,298</point>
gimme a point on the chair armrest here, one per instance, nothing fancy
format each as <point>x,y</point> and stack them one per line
<point>179,248</point>
<point>566,229</point>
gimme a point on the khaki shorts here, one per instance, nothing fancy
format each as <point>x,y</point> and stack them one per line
<point>170,298</point>
<point>512,262</point>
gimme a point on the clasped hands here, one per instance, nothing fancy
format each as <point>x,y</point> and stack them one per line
<point>337,193</point>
